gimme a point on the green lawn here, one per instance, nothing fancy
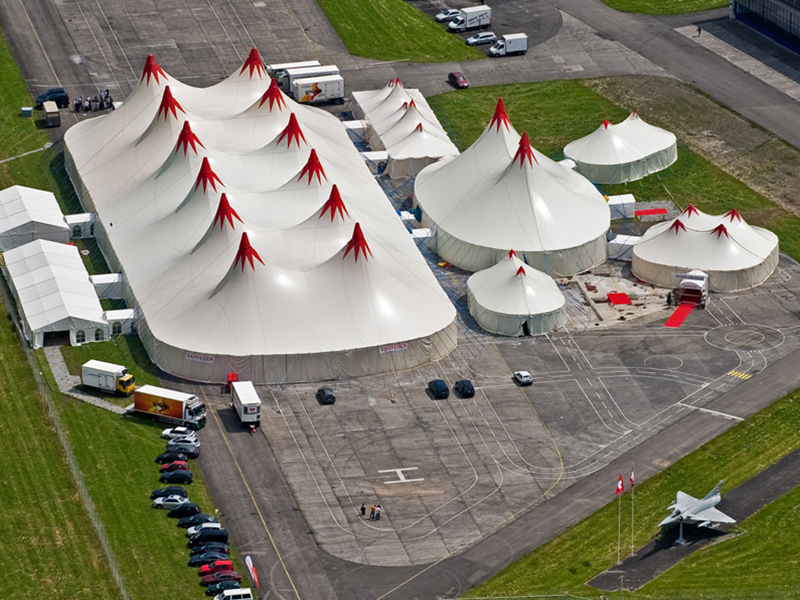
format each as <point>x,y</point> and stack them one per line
<point>665,7</point>
<point>394,30</point>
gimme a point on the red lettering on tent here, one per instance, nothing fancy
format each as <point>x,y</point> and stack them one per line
<point>246,253</point>
<point>292,131</point>
<point>500,116</point>
<point>151,68</point>
<point>313,167</point>
<point>225,211</point>
<point>187,138</point>
<point>207,177</point>
<point>169,105</point>
<point>274,95</point>
<point>334,204</point>
<point>677,226</point>
<point>357,244</point>
<point>253,61</point>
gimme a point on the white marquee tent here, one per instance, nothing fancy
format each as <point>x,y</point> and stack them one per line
<point>514,299</point>
<point>735,255</point>
<point>27,214</point>
<point>627,151</point>
<point>252,236</point>
<point>53,293</point>
<point>501,193</point>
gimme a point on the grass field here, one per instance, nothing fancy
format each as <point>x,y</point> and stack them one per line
<point>394,30</point>
<point>555,113</point>
<point>665,7</point>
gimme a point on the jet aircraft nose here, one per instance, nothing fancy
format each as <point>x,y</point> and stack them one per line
<point>668,521</point>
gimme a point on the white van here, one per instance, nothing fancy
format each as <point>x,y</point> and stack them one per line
<point>240,594</point>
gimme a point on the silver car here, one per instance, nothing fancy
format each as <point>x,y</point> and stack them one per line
<point>184,441</point>
<point>523,378</point>
<point>169,502</point>
<point>487,37</point>
<point>447,15</point>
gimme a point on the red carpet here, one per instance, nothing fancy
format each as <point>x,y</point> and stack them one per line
<point>651,211</point>
<point>615,299</point>
<point>679,316</point>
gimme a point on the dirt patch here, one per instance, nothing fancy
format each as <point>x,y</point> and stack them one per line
<point>742,149</point>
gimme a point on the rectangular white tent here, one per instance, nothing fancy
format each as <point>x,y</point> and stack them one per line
<point>27,214</point>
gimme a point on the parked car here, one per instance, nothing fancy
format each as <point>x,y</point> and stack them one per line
<point>178,465</point>
<point>198,560</point>
<point>176,477</point>
<point>184,510</point>
<point>523,378</point>
<point>224,564</point>
<point>447,15</point>
<point>168,457</point>
<point>220,587</point>
<point>188,451</point>
<point>457,80</point>
<point>486,37</point>
<point>326,396</point>
<point>221,576</point>
<point>170,501</point>
<point>210,547</point>
<point>173,490</point>
<point>201,527</point>
<point>57,95</point>
<point>190,442</point>
<point>438,389</point>
<point>196,520</point>
<point>464,388</point>
<point>177,432</point>
<point>208,536</point>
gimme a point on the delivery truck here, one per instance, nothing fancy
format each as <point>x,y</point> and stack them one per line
<point>108,377</point>
<point>329,88</point>
<point>510,44</point>
<point>169,406</point>
<point>278,70</point>
<point>472,17</point>
<point>245,402</point>
<point>304,73</point>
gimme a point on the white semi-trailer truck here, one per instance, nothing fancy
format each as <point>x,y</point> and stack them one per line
<point>246,402</point>
<point>329,88</point>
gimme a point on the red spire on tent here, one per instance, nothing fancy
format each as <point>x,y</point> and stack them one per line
<point>418,127</point>
<point>291,132</point>
<point>187,138</point>
<point>246,253</point>
<point>334,204</point>
<point>690,210</point>
<point>391,83</point>
<point>634,113</point>
<point>733,214</point>
<point>512,254</point>
<point>500,116</point>
<point>412,103</point>
<point>254,62</point>
<point>525,151</point>
<point>207,177</point>
<point>398,83</point>
<point>151,69</point>
<point>521,271</point>
<point>357,244</point>
<point>719,230</point>
<point>313,167</point>
<point>225,211</point>
<point>677,225</point>
<point>169,104</point>
<point>274,95</point>
<point>606,123</point>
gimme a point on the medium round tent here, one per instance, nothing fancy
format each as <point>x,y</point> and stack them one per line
<point>624,152</point>
<point>503,193</point>
<point>735,255</point>
<point>512,298</point>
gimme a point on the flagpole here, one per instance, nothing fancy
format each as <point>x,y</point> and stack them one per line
<point>619,527</point>
<point>633,498</point>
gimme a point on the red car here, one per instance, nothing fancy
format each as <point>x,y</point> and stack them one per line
<point>178,465</point>
<point>216,567</point>
<point>457,80</point>
<point>221,576</point>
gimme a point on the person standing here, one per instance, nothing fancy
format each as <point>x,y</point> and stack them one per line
<point>372,512</point>
<point>378,512</point>
<point>363,509</point>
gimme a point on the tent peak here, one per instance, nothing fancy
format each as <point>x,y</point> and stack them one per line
<point>253,61</point>
<point>606,123</point>
<point>411,104</point>
<point>634,114</point>
<point>521,272</point>
<point>525,152</point>
<point>152,69</point>
<point>733,214</point>
<point>313,167</point>
<point>169,105</point>
<point>207,177</point>
<point>418,127</point>
<point>720,230</point>
<point>246,253</point>
<point>512,254</point>
<point>187,138</point>
<point>291,132</point>
<point>395,82</point>
<point>334,204</point>
<point>274,95</point>
<point>500,116</point>
<point>225,211</point>
<point>357,244</point>
<point>677,225</point>
<point>690,210</point>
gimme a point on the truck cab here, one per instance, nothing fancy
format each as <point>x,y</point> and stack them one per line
<point>126,384</point>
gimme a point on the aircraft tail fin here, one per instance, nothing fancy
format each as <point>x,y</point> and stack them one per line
<point>715,491</point>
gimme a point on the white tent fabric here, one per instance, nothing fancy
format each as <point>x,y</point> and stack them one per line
<point>501,193</point>
<point>252,236</point>
<point>514,299</point>
<point>627,151</point>
<point>735,255</point>
<point>401,122</point>
<point>53,292</point>
<point>28,214</point>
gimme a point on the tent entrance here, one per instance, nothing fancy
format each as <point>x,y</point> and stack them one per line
<point>56,338</point>
<point>526,329</point>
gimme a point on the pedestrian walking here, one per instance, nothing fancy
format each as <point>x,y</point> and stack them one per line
<point>699,31</point>
<point>372,512</point>
<point>378,512</point>
<point>363,509</point>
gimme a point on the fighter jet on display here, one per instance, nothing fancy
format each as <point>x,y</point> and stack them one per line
<point>687,509</point>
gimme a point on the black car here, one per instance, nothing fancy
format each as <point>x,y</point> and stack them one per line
<point>198,560</point>
<point>184,510</point>
<point>176,477</point>
<point>220,547</point>
<point>206,536</point>
<point>188,451</point>
<point>438,389</point>
<point>220,587</point>
<point>172,490</point>
<point>57,95</point>
<point>197,519</point>
<point>169,457</point>
<point>325,396</point>
<point>464,388</point>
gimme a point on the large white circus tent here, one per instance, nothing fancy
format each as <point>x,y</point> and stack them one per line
<point>734,254</point>
<point>502,193</point>
<point>252,236</point>
<point>627,151</point>
<point>514,299</point>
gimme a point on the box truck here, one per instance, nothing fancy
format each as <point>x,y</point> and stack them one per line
<point>329,88</point>
<point>507,45</point>
<point>108,377</point>
<point>305,73</point>
<point>246,402</point>
<point>472,17</point>
<point>169,406</point>
<point>278,70</point>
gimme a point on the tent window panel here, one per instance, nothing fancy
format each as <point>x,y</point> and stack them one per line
<point>116,328</point>
<point>98,335</point>
<point>80,336</point>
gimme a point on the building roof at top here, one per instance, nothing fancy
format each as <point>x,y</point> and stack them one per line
<point>248,224</point>
<point>20,205</point>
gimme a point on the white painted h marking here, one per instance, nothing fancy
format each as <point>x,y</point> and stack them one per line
<point>401,477</point>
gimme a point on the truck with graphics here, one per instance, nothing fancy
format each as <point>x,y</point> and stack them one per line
<point>169,406</point>
<point>329,88</point>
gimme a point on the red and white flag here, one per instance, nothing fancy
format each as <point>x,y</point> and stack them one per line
<point>252,568</point>
<point>620,485</point>
<point>632,484</point>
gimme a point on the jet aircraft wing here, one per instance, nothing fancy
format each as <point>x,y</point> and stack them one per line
<point>682,499</point>
<point>713,515</point>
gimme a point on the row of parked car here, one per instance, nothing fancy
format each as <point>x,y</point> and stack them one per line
<point>439,390</point>
<point>207,540</point>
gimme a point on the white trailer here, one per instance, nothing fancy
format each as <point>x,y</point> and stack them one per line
<point>509,44</point>
<point>245,402</point>
<point>278,70</point>
<point>318,89</point>
<point>108,377</point>
<point>305,73</point>
<point>472,17</point>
